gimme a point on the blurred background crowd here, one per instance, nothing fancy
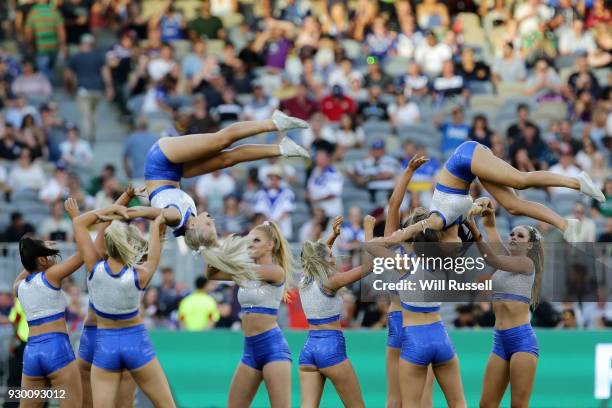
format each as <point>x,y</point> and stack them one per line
<point>88,86</point>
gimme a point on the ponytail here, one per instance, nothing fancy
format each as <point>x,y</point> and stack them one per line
<point>125,242</point>
<point>231,257</point>
<point>281,252</point>
<point>30,249</point>
<point>536,254</point>
<point>315,267</point>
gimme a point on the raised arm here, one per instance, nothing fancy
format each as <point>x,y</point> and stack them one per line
<point>336,226</point>
<point>508,263</point>
<point>58,272</point>
<point>213,273</point>
<point>156,236</point>
<point>395,201</point>
<point>171,215</point>
<point>271,273</point>
<point>124,200</point>
<point>81,234</point>
<point>22,275</point>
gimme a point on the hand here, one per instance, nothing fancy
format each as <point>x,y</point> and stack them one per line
<point>417,162</point>
<point>110,93</point>
<point>109,218</point>
<point>369,222</point>
<point>337,225</point>
<point>395,238</point>
<point>119,210</point>
<point>72,208</point>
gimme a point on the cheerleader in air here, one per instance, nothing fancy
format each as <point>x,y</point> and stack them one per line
<point>324,354</point>
<point>516,283</point>
<point>48,355</point>
<point>394,317</point>
<point>87,343</point>
<point>424,340</point>
<point>261,265</point>
<point>173,158</point>
<point>116,285</point>
<point>451,202</point>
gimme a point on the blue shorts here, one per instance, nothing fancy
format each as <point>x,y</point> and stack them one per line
<point>323,348</point>
<point>265,348</point>
<point>394,329</point>
<point>87,344</point>
<point>159,167</point>
<point>426,344</point>
<point>46,353</point>
<point>515,340</point>
<point>126,348</point>
<point>460,162</point>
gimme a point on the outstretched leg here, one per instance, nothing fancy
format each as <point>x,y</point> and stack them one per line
<point>515,205</point>
<point>488,167</point>
<point>188,148</point>
<point>244,153</point>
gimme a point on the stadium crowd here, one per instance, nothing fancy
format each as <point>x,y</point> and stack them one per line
<point>378,81</point>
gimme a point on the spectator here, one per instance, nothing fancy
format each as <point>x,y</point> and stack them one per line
<point>377,77</point>
<point>135,151</point>
<point>198,311</point>
<point>262,105</point>
<point>598,314</point>
<point>26,175</point>
<point>75,151</point>
<point>44,28</point>
<point>276,202</point>
<point>110,192</point>
<point>169,21</point>
<point>301,105</point>
<point>431,54</point>
<point>480,130</point>
<point>376,172</point>
<point>530,15</point>
<point>582,79</point>
<point>76,19</point>
<point>274,163</point>
<point>586,229</point>
<point>373,109</point>
<point>57,187</point>
<point>403,112</point>
<point>508,68</point>
<point>381,40</point>
<point>347,136</point>
<point>201,120</point>
<point>409,38</point>
<point>17,228</point>
<point>212,187</point>
<point>432,14</point>
<point>206,25</point>
<point>576,40</point>
<point>314,228</point>
<point>352,235</point>
<point>569,319</point>
<point>168,295</point>
<point>544,83</point>
<point>31,84</point>
<point>529,152</point>
<point>274,43</point>
<point>56,227</point>
<point>565,167</point>
<point>454,132</point>
<point>606,236</point>
<point>515,131</point>
<point>336,104</point>
<point>233,220</point>
<point>90,75</point>
<point>119,62</point>
<point>324,188</point>
<point>416,84</point>
<point>163,65</point>
<point>341,74</point>
<point>448,84</point>
<point>423,178</point>
<point>229,111</point>
<point>10,146</point>
<point>472,70</point>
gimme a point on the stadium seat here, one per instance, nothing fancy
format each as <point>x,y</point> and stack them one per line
<point>565,61</point>
<point>484,102</point>
<point>354,194</point>
<point>480,88</point>
<point>377,128</point>
<point>353,155</point>
<point>534,194</point>
<point>564,203</point>
<point>550,111</point>
<point>521,220</point>
<point>181,48</point>
<point>507,89</point>
<point>396,66</point>
<point>352,48</point>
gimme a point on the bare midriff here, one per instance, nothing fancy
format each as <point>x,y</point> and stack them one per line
<point>509,314</point>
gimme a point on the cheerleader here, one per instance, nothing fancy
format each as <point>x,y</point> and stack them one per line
<point>451,202</point>
<point>324,354</point>
<point>424,340</point>
<point>173,158</point>
<point>262,288</point>
<point>394,317</point>
<point>516,284</point>
<point>87,343</point>
<point>115,289</point>
<point>48,355</point>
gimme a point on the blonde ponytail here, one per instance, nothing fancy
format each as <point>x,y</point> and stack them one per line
<point>536,254</point>
<point>315,266</point>
<point>231,257</point>
<point>281,252</point>
<point>125,242</point>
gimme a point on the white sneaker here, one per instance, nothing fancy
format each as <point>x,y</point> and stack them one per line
<point>571,232</point>
<point>285,122</point>
<point>588,187</point>
<point>289,148</point>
